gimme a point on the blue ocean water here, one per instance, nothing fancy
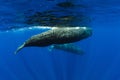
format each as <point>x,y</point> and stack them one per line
<point>102,50</point>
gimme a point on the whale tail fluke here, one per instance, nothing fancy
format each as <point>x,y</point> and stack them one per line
<point>19,48</point>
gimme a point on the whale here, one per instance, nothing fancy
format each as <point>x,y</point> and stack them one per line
<point>70,48</point>
<point>57,35</point>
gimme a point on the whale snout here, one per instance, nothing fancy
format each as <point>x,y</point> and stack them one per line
<point>88,31</point>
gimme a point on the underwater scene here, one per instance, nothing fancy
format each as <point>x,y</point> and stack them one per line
<point>59,40</point>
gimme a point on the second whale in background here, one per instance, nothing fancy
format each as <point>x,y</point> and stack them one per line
<point>70,47</point>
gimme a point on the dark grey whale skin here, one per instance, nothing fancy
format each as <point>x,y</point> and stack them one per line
<point>57,36</point>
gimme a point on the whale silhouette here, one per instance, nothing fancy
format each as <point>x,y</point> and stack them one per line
<point>57,36</point>
<point>70,47</point>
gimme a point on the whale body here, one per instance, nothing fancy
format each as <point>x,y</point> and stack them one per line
<point>57,36</point>
<point>71,48</point>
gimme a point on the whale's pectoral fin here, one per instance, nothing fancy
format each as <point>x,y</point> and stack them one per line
<point>19,48</point>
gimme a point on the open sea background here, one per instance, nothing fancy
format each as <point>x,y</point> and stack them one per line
<point>101,60</point>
